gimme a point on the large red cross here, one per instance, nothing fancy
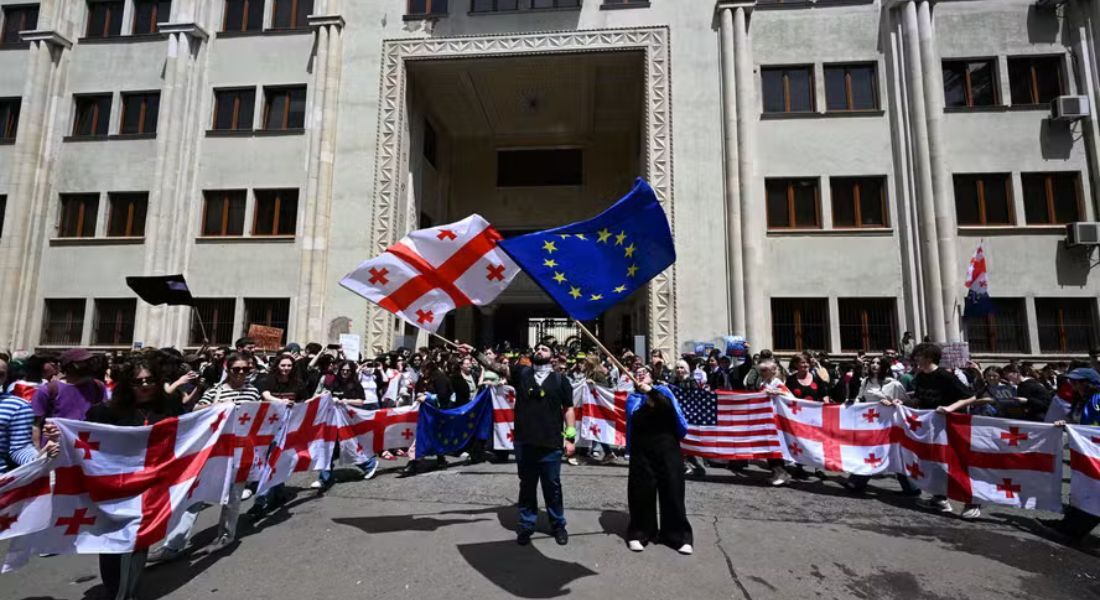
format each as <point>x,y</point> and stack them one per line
<point>615,415</point>
<point>73,523</point>
<point>443,277</point>
<point>831,436</point>
<point>298,441</point>
<point>82,443</point>
<point>377,426</point>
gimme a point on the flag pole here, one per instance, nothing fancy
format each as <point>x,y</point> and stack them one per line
<point>610,356</point>
<point>202,328</point>
<point>442,339</point>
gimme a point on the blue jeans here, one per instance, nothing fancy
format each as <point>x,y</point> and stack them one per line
<point>535,465</point>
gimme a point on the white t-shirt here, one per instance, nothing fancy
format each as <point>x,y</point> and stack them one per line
<point>370,387</point>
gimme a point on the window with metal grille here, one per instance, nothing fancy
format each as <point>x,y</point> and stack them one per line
<point>104,18</point>
<point>140,112</point>
<point>970,83</point>
<point>18,17</point>
<point>63,321</point>
<point>788,89</point>
<point>127,214</point>
<point>427,8</point>
<point>233,108</point>
<point>859,202</point>
<point>114,322</point>
<point>284,108</point>
<point>217,320</point>
<point>9,118</point>
<point>79,213</point>
<point>793,204</point>
<point>243,15</point>
<point>1067,324</point>
<point>276,212</point>
<point>1036,80</point>
<point>1004,330</point>
<point>291,14</point>
<point>984,199</point>
<point>223,213</point>
<point>851,87</point>
<point>1052,198</point>
<point>271,312</point>
<point>868,324</point>
<point>800,323</point>
<point>148,13</point>
<point>93,114</point>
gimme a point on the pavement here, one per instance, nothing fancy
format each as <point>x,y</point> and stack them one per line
<point>449,534</point>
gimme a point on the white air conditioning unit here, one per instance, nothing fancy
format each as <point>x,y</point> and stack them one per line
<point>1082,234</point>
<point>1069,108</point>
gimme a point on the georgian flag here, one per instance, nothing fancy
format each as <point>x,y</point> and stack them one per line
<point>603,413</point>
<point>978,303</point>
<point>303,443</point>
<point>849,438</point>
<point>1084,464</point>
<point>504,417</point>
<point>254,426</point>
<point>1017,463</point>
<point>366,433</point>
<point>921,449</point>
<point>431,272</point>
<point>25,499</point>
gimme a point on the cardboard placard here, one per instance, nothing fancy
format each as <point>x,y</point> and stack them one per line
<point>350,343</point>
<point>955,355</point>
<point>267,338</point>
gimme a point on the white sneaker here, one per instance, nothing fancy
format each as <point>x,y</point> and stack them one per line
<point>635,546</point>
<point>316,485</point>
<point>972,512</point>
<point>936,504</point>
<point>464,456</point>
<point>246,494</point>
<point>573,461</point>
<point>686,549</point>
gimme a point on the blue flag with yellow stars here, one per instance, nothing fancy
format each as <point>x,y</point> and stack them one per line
<point>590,266</point>
<point>441,431</point>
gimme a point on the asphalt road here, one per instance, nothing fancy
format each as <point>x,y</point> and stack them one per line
<point>448,534</point>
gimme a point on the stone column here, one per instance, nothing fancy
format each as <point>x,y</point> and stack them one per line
<point>1086,16</point>
<point>735,267</point>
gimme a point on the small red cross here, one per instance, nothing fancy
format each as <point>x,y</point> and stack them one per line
<point>914,422</point>
<point>1008,488</point>
<point>795,449</point>
<point>795,407</point>
<point>244,419</point>
<point>510,396</point>
<point>870,416</point>
<point>446,234</point>
<point>216,425</point>
<point>351,413</point>
<point>914,470</point>
<point>82,443</point>
<point>6,522</point>
<point>407,434</point>
<point>274,418</point>
<point>358,448</point>
<point>594,429</point>
<point>873,460</point>
<point>423,317</point>
<point>379,276</point>
<point>1013,437</point>
<point>511,435</point>
<point>496,273</point>
<point>72,524</point>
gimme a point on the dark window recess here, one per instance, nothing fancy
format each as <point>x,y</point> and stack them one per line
<point>427,7</point>
<point>1067,324</point>
<point>291,14</point>
<point>3,212</point>
<point>534,168</point>
<point>114,322</point>
<point>140,113</point>
<point>1004,330</point>
<point>79,213</point>
<point>104,18</point>
<point>93,115</point>
<point>217,319</point>
<point>555,3</point>
<point>271,312</point>
<point>430,143</point>
<point>859,202</point>
<point>127,214</point>
<point>1052,198</point>
<point>788,89</point>
<point>284,108</point>
<point>223,213</point>
<point>970,83</point>
<point>793,204</point>
<point>868,324</point>
<point>18,18</point>
<point>1036,79</point>
<point>233,109</point>
<point>851,87</point>
<point>493,5</point>
<point>276,212</point>
<point>63,322</point>
<point>243,15</point>
<point>9,118</point>
<point>625,2</point>
<point>800,323</point>
<point>147,13</point>
<point>983,199</point>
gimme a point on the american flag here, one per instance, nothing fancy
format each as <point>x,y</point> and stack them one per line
<point>728,425</point>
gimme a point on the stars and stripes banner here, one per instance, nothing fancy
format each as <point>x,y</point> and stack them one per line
<point>25,499</point>
<point>602,413</point>
<point>728,425</point>
<point>504,417</point>
<point>367,433</point>
<point>1084,464</point>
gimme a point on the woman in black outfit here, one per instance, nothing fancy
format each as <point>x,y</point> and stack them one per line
<point>346,386</point>
<point>804,383</point>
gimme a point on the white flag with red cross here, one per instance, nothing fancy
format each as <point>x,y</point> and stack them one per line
<point>367,433</point>
<point>121,489</point>
<point>921,449</point>
<point>834,437</point>
<point>254,426</point>
<point>504,417</point>
<point>603,413</point>
<point>1084,464</point>
<point>433,271</point>
<point>303,443</point>
<point>25,499</point>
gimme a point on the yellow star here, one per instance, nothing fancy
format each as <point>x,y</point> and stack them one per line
<point>620,289</point>
<point>604,234</point>
<point>575,292</point>
<point>631,270</point>
<point>549,262</point>
<point>549,247</point>
<point>596,297</point>
<point>580,236</point>
<point>620,238</point>
<point>629,250</point>
<point>563,235</point>
<point>559,277</point>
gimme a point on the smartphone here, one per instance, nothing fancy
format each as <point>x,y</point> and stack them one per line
<point>333,346</point>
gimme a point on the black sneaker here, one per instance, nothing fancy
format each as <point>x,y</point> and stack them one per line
<point>523,538</point>
<point>561,536</point>
<point>854,489</point>
<point>409,470</point>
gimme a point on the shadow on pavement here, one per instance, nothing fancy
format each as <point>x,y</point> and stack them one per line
<point>395,523</point>
<point>524,572</point>
<point>615,522</point>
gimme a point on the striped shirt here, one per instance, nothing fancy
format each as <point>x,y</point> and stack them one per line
<point>223,393</point>
<point>16,419</point>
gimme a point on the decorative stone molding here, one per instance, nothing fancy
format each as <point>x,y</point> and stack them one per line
<point>395,212</point>
<point>52,38</point>
<point>193,30</point>
<point>317,21</point>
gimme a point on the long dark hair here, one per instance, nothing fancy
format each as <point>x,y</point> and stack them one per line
<point>123,398</point>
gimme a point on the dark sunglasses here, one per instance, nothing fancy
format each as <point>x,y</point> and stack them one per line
<point>144,382</point>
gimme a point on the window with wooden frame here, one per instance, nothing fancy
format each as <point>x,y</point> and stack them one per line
<point>1036,80</point>
<point>800,324</point>
<point>126,215</point>
<point>113,324</point>
<point>17,17</point>
<point>788,89</point>
<point>984,199</point>
<point>793,204</point>
<point>851,87</point>
<point>1067,324</point>
<point>243,15</point>
<point>284,108</point>
<point>486,6</point>
<point>9,118</point>
<point>104,18</point>
<point>92,115</point>
<point>868,324</point>
<point>148,13</point>
<point>859,202</point>
<point>291,14</point>
<point>1052,198</point>
<point>970,83</point>
<point>276,212</point>
<point>1003,330</point>
<point>223,213</point>
<point>79,213</point>
<point>270,312</point>
<point>140,112</point>
<point>63,322</point>
<point>217,316</point>
<point>234,108</point>
<point>427,8</point>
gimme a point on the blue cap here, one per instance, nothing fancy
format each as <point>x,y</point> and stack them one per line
<point>1084,374</point>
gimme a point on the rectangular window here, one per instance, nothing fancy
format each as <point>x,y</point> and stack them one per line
<point>291,14</point>
<point>104,18</point>
<point>276,212</point>
<point>23,17</point>
<point>800,323</point>
<point>93,115</point>
<point>868,324</point>
<point>79,213</point>
<point>223,213</point>
<point>243,15</point>
<point>284,108</point>
<point>140,112</point>
<point>114,322</point>
<point>217,319</point>
<point>427,7</point>
<point>1052,198</point>
<point>271,312</point>
<point>625,2</point>
<point>63,322</point>
<point>555,3</point>
<point>1003,331</point>
<point>788,89</point>
<point>147,13</point>
<point>233,108</point>
<point>534,168</point>
<point>9,118</point>
<point>970,83</point>
<point>1036,80</point>
<point>793,204</point>
<point>480,6</point>
<point>851,87</point>
<point>859,202</point>
<point>127,214</point>
<point>1067,324</point>
<point>983,199</point>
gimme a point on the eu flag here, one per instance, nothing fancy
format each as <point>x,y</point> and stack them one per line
<point>588,267</point>
<point>441,431</point>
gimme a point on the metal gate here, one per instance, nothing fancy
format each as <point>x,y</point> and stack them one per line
<point>552,331</point>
